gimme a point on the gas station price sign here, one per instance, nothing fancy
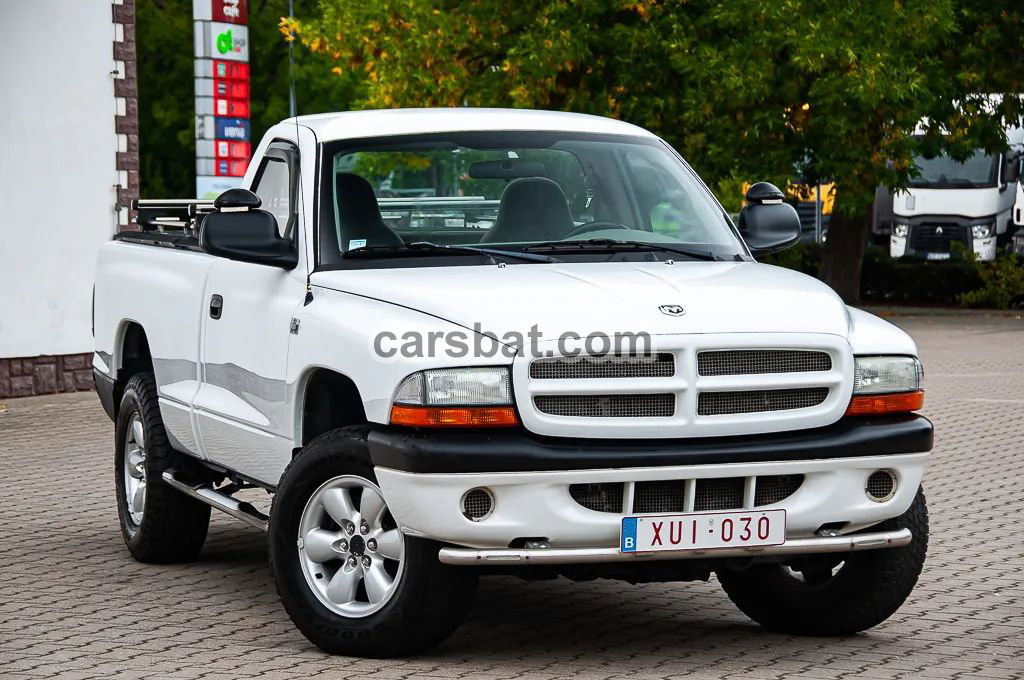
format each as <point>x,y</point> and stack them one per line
<point>223,144</point>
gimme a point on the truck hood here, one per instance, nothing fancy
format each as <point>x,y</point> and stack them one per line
<point>982,202</point>
<point>585,298</point>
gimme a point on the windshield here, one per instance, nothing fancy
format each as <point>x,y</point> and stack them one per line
<point>979,170</point>
<point>513,191</point>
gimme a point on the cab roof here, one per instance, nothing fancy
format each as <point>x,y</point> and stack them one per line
<point>389,122</point>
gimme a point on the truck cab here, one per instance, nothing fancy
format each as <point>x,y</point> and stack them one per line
<point>955,207</point>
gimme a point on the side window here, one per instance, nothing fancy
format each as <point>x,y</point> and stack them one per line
<point>274,187</point>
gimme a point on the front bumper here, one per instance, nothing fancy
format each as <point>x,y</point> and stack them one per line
<point>424,476</point>
<point>538,505</point>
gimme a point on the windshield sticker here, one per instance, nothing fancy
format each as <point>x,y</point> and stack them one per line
<point>356,243</point>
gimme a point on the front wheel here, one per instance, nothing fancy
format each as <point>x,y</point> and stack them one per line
<point>835,594</point>
<point>349,579</point>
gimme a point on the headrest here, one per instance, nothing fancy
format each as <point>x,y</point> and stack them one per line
<point>237,198</point>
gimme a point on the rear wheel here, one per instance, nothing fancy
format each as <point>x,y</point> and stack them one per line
<point>158,524</point>
<point>835,594</point>
<point>348,578</point>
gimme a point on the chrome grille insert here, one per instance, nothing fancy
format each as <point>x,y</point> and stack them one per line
<point>607,405</point>
<point>661,496</point>
<point>760,361</point>
<point>719,494</point>
<point>661,365</point>
<point>754,401</point>
<point>605,497</point>
<point>775,488</point>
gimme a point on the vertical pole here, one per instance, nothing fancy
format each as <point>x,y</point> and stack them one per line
<point>817,214</point>
<point>292,108</point>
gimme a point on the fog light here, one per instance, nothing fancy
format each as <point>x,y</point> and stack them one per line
<point>477,504</point>
<point>900,230</point>
<point>881,485</point>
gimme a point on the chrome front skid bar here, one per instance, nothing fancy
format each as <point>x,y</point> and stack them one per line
<point>796,546</point>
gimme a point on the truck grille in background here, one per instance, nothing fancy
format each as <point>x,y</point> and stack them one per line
<point>666,496</point>
<point>607,405</point>
<point>927,237</point>
<point>759,361</point>
<point>660,365</point>
<point>755,401</point>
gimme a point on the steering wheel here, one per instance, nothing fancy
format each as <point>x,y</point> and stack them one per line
<point>594,226</point>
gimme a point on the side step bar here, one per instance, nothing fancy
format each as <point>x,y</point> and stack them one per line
<point>207,494</point>
<point>794,546</point>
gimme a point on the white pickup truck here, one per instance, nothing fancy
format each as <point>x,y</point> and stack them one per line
<point>460,342</point>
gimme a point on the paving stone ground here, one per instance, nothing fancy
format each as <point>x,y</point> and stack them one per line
<point>73,604</point>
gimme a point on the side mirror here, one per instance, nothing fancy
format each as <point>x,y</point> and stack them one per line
<point>767,224</point>
<point>1011,167</point>
<point>239,230</point>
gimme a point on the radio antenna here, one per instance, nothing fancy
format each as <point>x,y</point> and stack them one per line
<point>293,110</point>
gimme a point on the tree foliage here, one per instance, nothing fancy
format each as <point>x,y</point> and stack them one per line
<point>748,89</point>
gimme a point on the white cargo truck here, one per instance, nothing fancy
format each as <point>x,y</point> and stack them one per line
<point>957,207</point>
<point>460,342</point>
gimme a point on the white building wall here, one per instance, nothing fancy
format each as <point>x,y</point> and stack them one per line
<point>57,170</point>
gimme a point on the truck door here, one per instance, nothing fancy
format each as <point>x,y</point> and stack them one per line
<point>242,411</point>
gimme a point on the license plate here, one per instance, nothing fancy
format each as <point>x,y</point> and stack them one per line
<point>702,531</point>
<point>937,256</point>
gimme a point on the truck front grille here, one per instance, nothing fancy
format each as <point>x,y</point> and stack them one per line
<point>678,386</point>
<point>757,401</point>
<point>937,238</point>
<point>661,365</point>
<point>681,495</point>
<point>760,361</point>
<point>607,405</point>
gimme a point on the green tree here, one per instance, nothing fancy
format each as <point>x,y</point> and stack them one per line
<point>748,88</point>
<point>166,100</point>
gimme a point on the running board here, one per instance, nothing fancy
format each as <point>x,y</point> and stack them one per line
<point>794,546</point>
<point>215,499</point>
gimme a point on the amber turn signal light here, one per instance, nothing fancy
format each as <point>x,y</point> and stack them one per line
<point>454,416</point>
<point>883,404</point>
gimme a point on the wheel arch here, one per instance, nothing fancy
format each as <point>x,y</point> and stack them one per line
<point>327,400</point>
<point>131,355</point>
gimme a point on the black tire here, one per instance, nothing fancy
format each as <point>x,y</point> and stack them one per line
<point>866,590</point>
<point>431,598</point>
<point>173,526</point>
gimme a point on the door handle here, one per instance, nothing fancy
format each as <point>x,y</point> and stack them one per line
<point>216,306</point>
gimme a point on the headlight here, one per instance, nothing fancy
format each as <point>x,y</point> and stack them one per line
<point>457,387</point>
<point>982,230</point>
<point>901,230</point>
<point>885,375</point>
<point>455,397</point>
<point>886,385</point>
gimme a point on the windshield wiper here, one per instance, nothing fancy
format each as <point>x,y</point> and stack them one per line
<point>615,245</point>
<point>428,248</point>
